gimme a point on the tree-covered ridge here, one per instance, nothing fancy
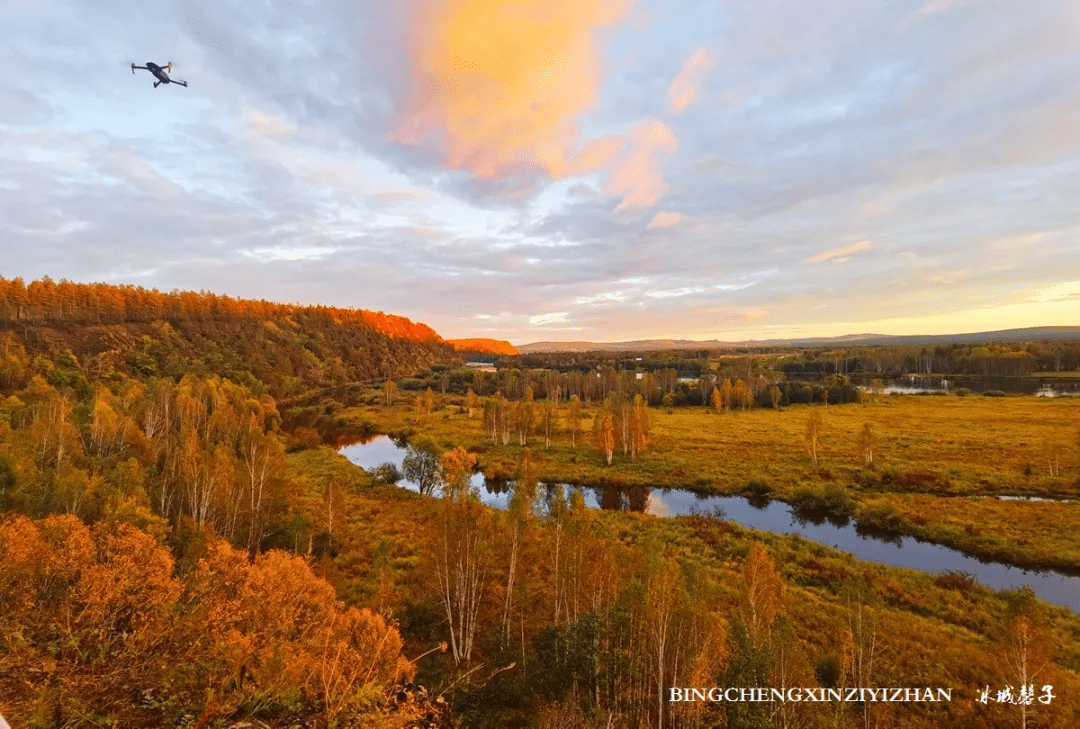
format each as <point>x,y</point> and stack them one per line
<point>282,349</point>
<point>100,303</point>
<point>484,346</point>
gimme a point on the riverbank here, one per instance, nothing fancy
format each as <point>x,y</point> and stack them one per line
<point>931,452</point>
<point>929,629</point>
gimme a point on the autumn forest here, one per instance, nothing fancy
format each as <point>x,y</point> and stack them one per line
<point>184,543</point>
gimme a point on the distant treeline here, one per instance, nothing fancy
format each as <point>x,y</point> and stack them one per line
<point>659,387</point>
<point>988,360</point>
<point>281,349</point>
<point>688,363</point>
<point>1012,359</point>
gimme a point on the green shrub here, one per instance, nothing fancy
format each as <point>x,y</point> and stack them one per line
<point>881,515</point>
<point>833,500</point>
<point>828,669</point>
<point>758,486</point>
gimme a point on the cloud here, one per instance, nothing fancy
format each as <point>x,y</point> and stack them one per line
<point>554,318</point>
<point>499,85</point>
<point>934,7</point>
<point>839,255</point>
<point>289,254</point>
<point>610,297</point>
<point>684,291</point>
<point>686,86</point>
<point>664,219</point>
<point>839,124</point>
<point>1068,291</point>
<point>500,89</point>
<point>930,8</point>
<point>638,177</point>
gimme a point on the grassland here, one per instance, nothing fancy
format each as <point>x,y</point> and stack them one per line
<point>385,557</point>
<point>933,455</point>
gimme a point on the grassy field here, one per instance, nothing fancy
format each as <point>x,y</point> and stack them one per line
<point>932,454</point>
<point>385,563</point>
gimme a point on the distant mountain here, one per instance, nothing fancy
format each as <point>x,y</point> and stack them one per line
<point>1029,334</point>
<point>483,346</point>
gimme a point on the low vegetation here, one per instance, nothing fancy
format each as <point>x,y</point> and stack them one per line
<point>934,459</point>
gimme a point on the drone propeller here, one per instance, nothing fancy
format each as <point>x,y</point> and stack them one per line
<point>133,69</point>
<point>169,66</point>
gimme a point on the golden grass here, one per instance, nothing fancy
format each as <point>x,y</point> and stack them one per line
<point>977,444</point>
<point>936,449</point>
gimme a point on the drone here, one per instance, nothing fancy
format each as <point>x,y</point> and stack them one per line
<point>163,78</point>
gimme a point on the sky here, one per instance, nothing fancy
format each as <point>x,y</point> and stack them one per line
<point>537,170</point>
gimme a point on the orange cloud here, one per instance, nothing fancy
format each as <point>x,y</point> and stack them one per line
<point>638,178</point>
<point>500,84</point>
<point>686,86</point>
<point>839,255</point>
<point>664,219</point>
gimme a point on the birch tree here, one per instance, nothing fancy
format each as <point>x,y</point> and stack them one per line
<point>520,513</point>
<point>867,443</point>
<point>1026,653</point>
<point>549,414</point>
<point>460,559</point>
<point>813,433</point>
<point>390,392</point>
<point>604,430</point>
<point>573,419</point>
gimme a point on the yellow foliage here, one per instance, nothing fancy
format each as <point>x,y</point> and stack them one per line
<point>109,596</point>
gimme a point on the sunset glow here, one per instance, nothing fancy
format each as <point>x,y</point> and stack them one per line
<point>528,170</point>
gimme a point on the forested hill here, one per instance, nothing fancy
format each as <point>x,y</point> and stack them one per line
<point>285,348</point>
<point>484,346</point>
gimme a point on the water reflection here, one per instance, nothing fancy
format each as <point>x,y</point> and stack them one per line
<point>804,515</point>
<point>761,513</point>
<point>925,384</point>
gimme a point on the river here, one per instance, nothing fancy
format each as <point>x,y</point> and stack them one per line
<point>773,516</point>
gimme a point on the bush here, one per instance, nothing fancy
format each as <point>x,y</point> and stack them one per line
<point>953,580</point>
<point>828,669</point>
<point>758,486</point>
<point>962,392</point>
<point>993,393</point>
<point>881,515</point>
<point>833,500</point>
<point>387,473</point>
<point>303,438</point>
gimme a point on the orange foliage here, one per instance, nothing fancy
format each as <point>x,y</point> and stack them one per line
<point>105,603</point>
<point>98,303</point>
<point>484,346</point>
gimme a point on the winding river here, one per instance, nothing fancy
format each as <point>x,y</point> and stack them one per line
<point>777,517</point>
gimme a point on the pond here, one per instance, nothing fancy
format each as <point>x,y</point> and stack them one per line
<point>917,384</point>
<point>773,516</point>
